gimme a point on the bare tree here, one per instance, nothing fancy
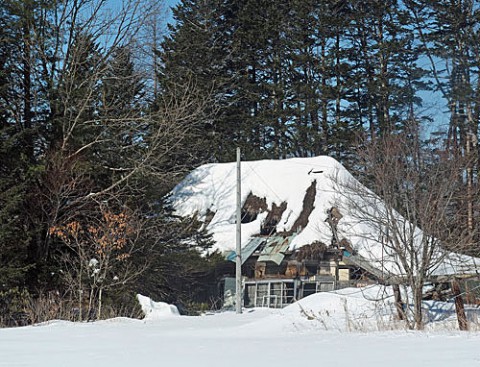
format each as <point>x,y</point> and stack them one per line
<point>95,132</point>
<point>105,134</point>
<point>408,223</point>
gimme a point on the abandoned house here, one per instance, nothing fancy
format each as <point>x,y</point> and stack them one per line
<point>289,216</point>
<point>275,275</point>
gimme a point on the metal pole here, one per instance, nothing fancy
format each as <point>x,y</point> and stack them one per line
<point>238,249</point>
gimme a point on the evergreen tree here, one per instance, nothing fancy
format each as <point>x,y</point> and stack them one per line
<point>191,58</point>
<point>22,115</point>
<point>299,78</point>
<point>75,134</point>
<point>449,32</point>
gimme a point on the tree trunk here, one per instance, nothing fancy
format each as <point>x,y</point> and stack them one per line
<point>99,314</point>
<point>398,302</point>
<point>27,81</point>
<point>459,306</point>
<point>80,293</point>
<point>417,307</point>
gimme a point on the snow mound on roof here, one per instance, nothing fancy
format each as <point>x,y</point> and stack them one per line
<point>156,310</point>
<point>211,188</point>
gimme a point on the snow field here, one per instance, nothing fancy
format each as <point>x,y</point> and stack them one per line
<point>258,337</point>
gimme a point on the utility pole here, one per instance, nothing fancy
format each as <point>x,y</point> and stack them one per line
<point>238,248</point>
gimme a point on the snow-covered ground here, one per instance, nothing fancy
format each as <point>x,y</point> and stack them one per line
<point>312,332</point>
<point>351,327</point>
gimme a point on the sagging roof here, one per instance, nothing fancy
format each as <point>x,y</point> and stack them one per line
<point>274,248</point>
<point>247,250</point>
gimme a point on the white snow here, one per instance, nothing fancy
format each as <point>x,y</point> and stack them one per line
<point>156,310</point>
<point>212,187</point>
<point>314,334</point>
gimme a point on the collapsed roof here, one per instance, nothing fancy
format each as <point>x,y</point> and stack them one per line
<point>292,196</point>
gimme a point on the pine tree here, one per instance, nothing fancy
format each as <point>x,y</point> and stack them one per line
<point>449,33</point>
<point>21,125</point>
<point>191,59</point>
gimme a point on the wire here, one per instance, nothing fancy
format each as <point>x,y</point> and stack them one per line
<point>362,290</point>
<point>463,293</point>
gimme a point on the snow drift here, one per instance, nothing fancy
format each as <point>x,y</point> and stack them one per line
<point>265,337</point>
<point>364,309</point>
<point>156,310</point>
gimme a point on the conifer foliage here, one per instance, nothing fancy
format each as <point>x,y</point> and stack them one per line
<point>297,78</point>
<point>85,156</point>
<point>90,144</point>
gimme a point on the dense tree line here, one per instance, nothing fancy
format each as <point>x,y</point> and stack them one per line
<point>298,78</point>
<point>88,153</point>
<point>303,78</point>
<point>91,141</point>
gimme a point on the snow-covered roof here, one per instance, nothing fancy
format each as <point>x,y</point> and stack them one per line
<point>212,188</point>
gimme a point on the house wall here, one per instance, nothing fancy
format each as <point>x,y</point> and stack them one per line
<point>343,275</point>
